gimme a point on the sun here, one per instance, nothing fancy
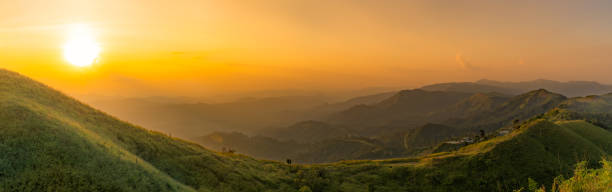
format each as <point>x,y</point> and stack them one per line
<point>81,48</point>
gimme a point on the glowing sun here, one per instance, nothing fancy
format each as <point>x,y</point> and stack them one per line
<point>81,48</point>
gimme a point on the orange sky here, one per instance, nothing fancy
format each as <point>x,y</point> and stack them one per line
<point>200,48</point>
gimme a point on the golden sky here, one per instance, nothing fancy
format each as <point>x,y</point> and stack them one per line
<point>202,47</point>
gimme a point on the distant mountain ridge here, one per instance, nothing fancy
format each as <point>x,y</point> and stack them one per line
<point>570,88</point>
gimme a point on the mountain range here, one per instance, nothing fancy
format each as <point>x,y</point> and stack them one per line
<point>402,125</point>
<point>51,142</point>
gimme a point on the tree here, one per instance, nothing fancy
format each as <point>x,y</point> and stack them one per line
<point>515,124</point>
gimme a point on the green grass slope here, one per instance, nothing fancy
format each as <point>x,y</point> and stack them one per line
<point>540,150</point>
<point>53,142</point>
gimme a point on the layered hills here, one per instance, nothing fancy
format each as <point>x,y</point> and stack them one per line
<point>51,142</point>
<point>412,122</point>
<point>570,88</point>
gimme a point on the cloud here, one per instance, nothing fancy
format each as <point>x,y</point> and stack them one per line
<point>463,62</point>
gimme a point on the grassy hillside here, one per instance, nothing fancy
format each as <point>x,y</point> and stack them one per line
<point>591,180</point>
<point>50,141</point>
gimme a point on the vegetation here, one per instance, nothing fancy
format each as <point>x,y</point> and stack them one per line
<point>587,180</point>
<point>584,180</point>
<point>50,142</point>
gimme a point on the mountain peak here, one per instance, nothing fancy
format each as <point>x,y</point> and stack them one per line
<point>543,92</point>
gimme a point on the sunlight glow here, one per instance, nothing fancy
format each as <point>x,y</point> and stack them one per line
<point>81,49</point>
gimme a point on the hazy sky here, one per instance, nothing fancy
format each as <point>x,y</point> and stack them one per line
<point>204,47</point>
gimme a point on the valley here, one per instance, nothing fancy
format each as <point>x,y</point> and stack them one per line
<point>46,137</point>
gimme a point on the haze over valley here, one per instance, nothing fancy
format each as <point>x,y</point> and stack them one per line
<point>305,96</point>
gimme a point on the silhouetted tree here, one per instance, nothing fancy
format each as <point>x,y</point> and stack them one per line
<point>289,161</point>
<point>515,124</point>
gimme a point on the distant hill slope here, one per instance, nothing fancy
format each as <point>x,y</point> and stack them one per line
<point>326,110</point>
<point>408,107</point>
<point>476,104</point>
<point>52,142</point>
<point>471,87</point>
<point>309,132</point>
<point>187,119</point>
<point>430,135</point>
<point>250,115</point>
<point>258,146</point>
<point>570,88</point>
<point>519,107</point>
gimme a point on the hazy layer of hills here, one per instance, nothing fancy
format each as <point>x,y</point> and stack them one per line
<point>570,88</point>
<point>311,120</point>
<point>185,117</point>
<point>50,142</point>
<point>251,115</point>
<point>409,123</point>
<point>401,124</point>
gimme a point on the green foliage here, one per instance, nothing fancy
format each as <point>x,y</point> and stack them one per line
<point>52,142</point>
<point>588,180</point>
<point>305,189</point>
